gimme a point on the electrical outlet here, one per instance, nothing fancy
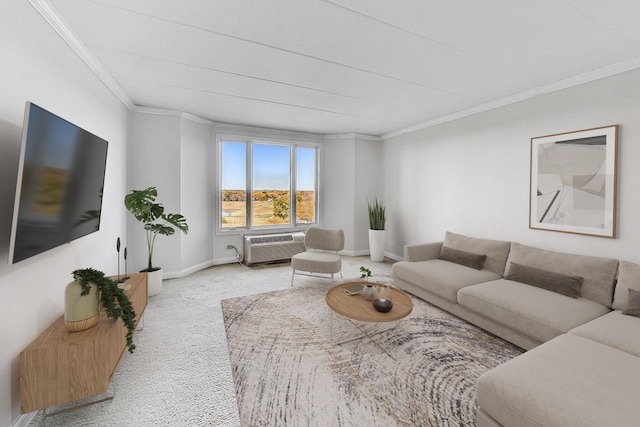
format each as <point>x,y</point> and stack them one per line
<point>230,247</point>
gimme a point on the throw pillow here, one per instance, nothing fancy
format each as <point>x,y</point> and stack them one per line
<point>633,309</point>
<point>467,259</point>
<point>549,280</point>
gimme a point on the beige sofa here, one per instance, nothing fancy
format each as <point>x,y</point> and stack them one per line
<point>583,367</point>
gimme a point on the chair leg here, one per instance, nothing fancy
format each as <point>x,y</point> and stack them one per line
<point>292,276</point>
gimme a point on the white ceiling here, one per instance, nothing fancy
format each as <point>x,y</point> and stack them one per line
<point>376,67</point>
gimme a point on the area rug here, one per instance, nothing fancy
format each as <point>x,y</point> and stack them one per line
<point>288,373</point>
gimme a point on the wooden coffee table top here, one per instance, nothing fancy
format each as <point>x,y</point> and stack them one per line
<point>357,308</point>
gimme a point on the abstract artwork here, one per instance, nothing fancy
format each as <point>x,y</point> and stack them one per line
<point>573,182</point>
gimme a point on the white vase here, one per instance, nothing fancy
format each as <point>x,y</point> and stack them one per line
<point>369,292</point>
<point>154,282</point>
<point>376,244</point>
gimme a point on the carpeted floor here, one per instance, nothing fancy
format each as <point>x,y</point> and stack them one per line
<point>287,372</point>
<point>180,373</point>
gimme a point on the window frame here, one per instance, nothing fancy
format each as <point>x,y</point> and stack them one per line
<point>249,140</point>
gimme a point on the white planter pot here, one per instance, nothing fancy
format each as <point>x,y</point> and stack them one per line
<point>154,282</point>
<point>376,244</point>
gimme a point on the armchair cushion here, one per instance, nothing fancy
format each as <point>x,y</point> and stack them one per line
<point>317,262</point>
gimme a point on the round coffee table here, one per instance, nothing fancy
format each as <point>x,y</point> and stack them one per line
<point>355,307</point>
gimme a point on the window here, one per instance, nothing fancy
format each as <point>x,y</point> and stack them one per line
<point>281,180</point>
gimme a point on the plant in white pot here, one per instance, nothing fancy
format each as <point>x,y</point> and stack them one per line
<point>142,204</point>
<point>377,220</point>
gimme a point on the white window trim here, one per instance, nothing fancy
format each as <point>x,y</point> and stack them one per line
<point>257,139</point>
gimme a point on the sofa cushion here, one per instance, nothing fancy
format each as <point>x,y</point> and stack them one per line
<point>440,277</point>
<point>468,259</point>
<point>556,282</point>
<point>615,330</point>
<point>599,273</point>
<point>495,250</point>
<point>628,278</point>
<point>568,382</point>
<point>633,308</point>
<point>532,311</point>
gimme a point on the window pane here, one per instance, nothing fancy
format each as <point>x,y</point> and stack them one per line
<point>305,185</point>
<point>271,172</point>
<point>234,184</point>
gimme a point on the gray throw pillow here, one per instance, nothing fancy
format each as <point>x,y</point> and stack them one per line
<point>549,280</point>
<point>467,259</point>
<point>633,309</point>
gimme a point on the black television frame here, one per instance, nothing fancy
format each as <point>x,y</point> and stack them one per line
<point>57,197</point>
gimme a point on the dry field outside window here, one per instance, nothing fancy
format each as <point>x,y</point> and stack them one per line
<point>269,208</point>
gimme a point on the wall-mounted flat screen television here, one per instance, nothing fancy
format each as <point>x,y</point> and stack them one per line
<point>60,183</point>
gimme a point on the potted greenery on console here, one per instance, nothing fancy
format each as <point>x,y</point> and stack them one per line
<point>84,295</point>
<point>377,220</point>
<point>142,204</point>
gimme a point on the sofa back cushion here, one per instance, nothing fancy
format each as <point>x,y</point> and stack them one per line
<point>496,251</point>
<point>599,273</point>
<point>628,278</point>
<point>549,280</point>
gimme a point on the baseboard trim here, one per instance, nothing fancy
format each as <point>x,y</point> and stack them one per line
<point>24,419</point>
<point>231,260</point>
<point>187,271</point>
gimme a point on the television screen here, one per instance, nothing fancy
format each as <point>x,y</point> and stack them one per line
<point>60,182</point>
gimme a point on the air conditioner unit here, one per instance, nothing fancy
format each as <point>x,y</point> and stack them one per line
<point>268,248</point>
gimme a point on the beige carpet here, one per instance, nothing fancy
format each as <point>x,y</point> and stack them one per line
<point>179,375</point>
<point>287,372</point>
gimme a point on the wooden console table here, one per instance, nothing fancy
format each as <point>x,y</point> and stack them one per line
<point>61,366</point>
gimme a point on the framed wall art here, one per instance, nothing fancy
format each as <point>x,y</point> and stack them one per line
<point>573,182</point>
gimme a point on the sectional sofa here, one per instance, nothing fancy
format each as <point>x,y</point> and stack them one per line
<point>578,316</point>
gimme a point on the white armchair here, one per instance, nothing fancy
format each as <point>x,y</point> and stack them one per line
<point>321,256</point>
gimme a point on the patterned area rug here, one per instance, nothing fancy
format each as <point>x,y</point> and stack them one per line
<point>288,373</point>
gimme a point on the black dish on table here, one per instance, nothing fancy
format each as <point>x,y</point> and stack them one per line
<point>382,305</point>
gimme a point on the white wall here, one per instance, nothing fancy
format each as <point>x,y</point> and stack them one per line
<point>197,194</point>
<point>153,152</point>
<point>352,175</point>
<point>38,66</point>
<point>472,175</point>
<point>369,179</point>
<point>337,189</point>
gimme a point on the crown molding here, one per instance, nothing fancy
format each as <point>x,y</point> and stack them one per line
<point>52,16</point>
<point>173,113</point>
<point>339,136</point>
<point>580,79</point>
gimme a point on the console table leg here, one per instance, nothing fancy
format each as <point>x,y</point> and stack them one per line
<point>140,324</point>
<point>78,404</point>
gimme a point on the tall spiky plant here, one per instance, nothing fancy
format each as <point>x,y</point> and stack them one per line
<point>377,215</point>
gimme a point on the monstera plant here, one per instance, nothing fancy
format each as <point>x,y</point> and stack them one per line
<point>142,204</point>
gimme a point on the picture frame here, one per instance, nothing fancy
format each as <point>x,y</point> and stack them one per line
<point>573,182</point>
